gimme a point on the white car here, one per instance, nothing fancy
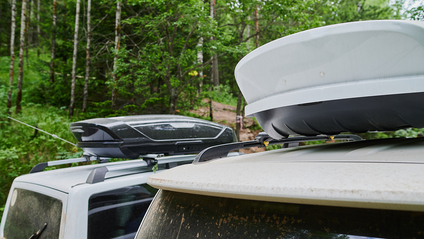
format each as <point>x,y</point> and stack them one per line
<point>106,200</point>
<point>361,189</point>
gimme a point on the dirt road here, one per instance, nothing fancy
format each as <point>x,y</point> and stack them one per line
<point>226,115</point>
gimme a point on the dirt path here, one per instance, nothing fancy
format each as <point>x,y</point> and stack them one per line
<point>226,115</point>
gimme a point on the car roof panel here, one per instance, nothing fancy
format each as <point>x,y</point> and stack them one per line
<point>384,174</point>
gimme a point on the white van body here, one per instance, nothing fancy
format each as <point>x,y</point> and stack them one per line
<point>362,182</point>
<point>70,187</point>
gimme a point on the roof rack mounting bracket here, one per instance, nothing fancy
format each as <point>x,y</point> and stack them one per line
<point>150,162</point>
<point>97,175</point>
<point>39,167</point>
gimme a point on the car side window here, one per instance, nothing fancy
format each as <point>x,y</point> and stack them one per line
<point>118,213</point>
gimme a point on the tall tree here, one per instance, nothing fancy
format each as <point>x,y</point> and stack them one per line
<point>239,117</point>
<point>12,56</point>
<point>248,34</point>
<point>38,28</point>
<point>52,55</point>
<point>214,67</point>
<point>27,31</point>
<point>167,51</point>
<point>115,59</point>
<point>74,60</point>
<point>21,58</point>
<point>31,22</point>
<point>87,63</point>
<point>257,26</point>
<point>200,62</point>
<point>1,30</point>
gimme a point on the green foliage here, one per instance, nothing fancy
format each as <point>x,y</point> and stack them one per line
<point>273,147</point>
<point>21,148</point>
<point>313,142</point>
<point>416,13</point>
<point>255,126</point>
<point>409,133</point>
<point>221,94</point>
<point>155,167</point>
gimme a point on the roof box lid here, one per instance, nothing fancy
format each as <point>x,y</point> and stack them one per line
<point>132,136</point>
<point>358,60</point>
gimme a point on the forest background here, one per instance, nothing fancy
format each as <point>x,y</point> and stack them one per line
<point>67,60</point>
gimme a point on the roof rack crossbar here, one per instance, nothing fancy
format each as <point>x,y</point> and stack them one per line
<point>99,174</point>
<point>263,140</point>
<point>41,166</point>
<point>150,159</point>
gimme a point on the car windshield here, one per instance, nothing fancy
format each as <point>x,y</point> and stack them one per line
<point>29,211</point>
<point>181,215</point>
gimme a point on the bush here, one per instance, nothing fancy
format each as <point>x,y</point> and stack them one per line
<point>21,147</point>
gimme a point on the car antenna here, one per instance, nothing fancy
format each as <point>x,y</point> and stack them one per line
<point>53,135</point>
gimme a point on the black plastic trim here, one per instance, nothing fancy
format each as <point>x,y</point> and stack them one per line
<point>39,168</point>
<point>97,175</point>
<point>262,140</point>
<point>354,115</point>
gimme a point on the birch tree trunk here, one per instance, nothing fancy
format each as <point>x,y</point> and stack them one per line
<point>248,34</point>
<point>38,28</point>
<point>87,63</point>
<point>214,68</point>
<point>53,42</point>
<point>115,59</point>
<point>30,30</point>
<point>200,62</point>
<point>12,57</point>
<point>21,58</point>
<point>74,60</point>
<point>27,31</point>
<point>257,27</point>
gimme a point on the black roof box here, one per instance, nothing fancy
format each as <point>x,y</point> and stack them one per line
<point>132,136</point>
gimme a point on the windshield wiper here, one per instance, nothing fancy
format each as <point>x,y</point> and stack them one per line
<point>38,234</point>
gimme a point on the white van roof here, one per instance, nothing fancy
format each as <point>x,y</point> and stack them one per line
<point>65,179</point>
<point>379,174</point>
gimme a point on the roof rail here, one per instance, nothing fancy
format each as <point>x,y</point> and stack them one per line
<point>263,140</point>
<point>99,174</point>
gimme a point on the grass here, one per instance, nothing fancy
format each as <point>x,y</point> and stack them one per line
<point>36,71</point>
<point>222,94</point>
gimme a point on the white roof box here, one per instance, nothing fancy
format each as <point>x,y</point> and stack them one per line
<point>351,77</point>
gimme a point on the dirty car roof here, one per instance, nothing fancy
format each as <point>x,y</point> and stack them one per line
<point>380,174</point>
